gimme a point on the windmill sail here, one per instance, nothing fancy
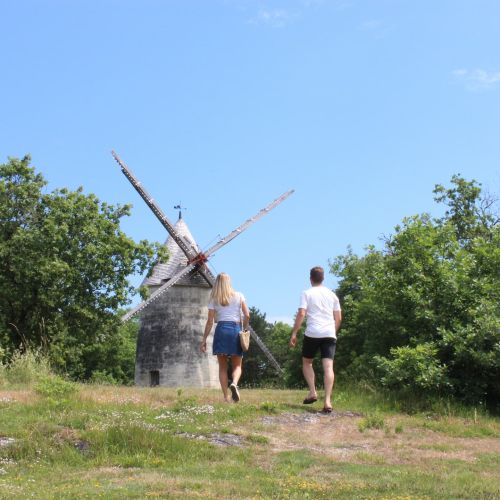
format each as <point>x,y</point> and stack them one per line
<point>196,259</point>
<point>265,350</point>
<point>171,282</point>
<point>190,252</point>
<point>153,206</point>
<point>247,224</point>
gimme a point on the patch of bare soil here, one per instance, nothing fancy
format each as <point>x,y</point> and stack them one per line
<point>71,436</point>
<point>337,435</point>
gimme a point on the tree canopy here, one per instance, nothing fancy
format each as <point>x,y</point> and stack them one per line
<point>422,314</point>
<point>64,268</point>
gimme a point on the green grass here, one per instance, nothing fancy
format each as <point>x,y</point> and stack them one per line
<point>255,438</point>
<point>371,421</point>
<point>116,442</point>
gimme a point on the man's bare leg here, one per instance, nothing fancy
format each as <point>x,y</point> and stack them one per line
<point>328,380</point>
<point>308,371</point>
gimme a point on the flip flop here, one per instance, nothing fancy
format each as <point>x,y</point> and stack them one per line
<point>309,401</point>
<point>327,409</point>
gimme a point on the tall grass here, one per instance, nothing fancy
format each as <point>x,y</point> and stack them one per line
<point>368,398</point>
<point>31,370</point>
<point>25,369</point>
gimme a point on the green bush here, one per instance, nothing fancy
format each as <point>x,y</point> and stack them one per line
<point>413,369</point>
<point>55,388</point>
<point>103,378</point>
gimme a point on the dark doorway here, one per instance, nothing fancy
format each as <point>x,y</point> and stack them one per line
<point>154,378</point>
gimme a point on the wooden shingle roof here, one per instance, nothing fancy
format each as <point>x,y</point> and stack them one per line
<point>177,260</point>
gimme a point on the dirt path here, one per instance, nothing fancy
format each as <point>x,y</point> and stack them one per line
<point>338,436</point>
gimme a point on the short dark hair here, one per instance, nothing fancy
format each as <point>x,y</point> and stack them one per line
<point>317,275</point>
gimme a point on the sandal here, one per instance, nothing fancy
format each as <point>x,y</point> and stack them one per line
<point>327,409</point>
<point>309,401</point>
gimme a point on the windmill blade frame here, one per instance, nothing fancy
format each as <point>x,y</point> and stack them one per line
<point>153,206</point>
<point>265,350</point>
<point>189,252</point>
<point>252,220</point>
<point>171,282</point>
<point>196,260</point>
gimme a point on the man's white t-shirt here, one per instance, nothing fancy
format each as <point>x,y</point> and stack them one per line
<point>231,312</point>
<point>319,303</point>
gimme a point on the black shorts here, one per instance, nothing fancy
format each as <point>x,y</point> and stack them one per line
<point>311,345</point>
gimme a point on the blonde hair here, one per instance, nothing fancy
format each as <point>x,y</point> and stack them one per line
<point>222,292</point>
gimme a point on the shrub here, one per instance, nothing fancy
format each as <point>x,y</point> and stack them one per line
<point>102,377</point>
<point>434,284</point>
<point>413,369</point>
<point>55,388</point>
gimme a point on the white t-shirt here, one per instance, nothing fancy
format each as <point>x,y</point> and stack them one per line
<point>231,312</point>
<point>319,303</point>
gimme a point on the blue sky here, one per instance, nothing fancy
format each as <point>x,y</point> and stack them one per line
<point>360,106</point>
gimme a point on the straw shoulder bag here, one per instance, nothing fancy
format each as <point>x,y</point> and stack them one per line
<point>244,334</point>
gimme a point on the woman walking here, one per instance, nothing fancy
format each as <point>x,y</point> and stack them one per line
<point>231,311</point>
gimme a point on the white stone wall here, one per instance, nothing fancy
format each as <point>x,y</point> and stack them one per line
<point>169,339</point>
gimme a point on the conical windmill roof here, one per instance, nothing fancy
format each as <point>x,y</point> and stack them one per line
<point>176,261</point>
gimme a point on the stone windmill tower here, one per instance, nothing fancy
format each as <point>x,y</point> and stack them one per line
<point>171,327</point>
<point>172,319</point>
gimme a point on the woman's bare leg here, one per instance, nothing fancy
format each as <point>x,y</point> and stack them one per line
<point>236,364</point>
<point>222,359</point>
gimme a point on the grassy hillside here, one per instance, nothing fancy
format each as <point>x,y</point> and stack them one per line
<point>61,441</point>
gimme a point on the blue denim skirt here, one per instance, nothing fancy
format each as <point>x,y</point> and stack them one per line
<point>227,339</point>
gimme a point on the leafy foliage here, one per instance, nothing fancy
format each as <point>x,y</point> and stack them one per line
<point>258,370</point>
<point>55,389</point>
<point>413,369</point>
<point>422,314</point>
<point>64,267</point>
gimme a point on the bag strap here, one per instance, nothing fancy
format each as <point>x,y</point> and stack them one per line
<point>241,314</point>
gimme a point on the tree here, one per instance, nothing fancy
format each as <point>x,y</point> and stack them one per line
<point>470,213</point>
<point>256,364</point>
<point>430,295</point>
<point>64,267</point>
<point>258,371</point>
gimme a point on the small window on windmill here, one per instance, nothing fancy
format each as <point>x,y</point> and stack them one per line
<point>154,378</point>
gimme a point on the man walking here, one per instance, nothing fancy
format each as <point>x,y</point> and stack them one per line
<point>322,309</point>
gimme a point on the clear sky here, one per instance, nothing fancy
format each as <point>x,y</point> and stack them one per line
<point>361,106</point>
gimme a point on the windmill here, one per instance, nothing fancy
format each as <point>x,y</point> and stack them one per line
<point>190,264</point>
